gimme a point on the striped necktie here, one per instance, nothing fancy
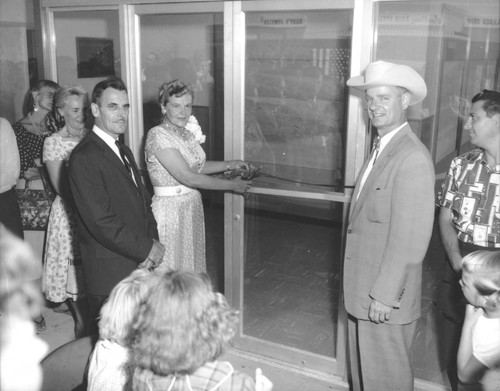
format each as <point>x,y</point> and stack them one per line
<point>376,149</point>
<point>121,148</point>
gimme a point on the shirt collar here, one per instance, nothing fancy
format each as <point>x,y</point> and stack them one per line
<point>384,140</point>
<point>108,139</point>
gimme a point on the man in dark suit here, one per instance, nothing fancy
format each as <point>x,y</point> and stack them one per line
<point>389,230</point>
<point>118,232</point>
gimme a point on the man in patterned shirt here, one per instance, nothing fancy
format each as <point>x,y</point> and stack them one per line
<point>469,218</point>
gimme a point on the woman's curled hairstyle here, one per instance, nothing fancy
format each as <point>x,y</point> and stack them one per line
<point>182,325</point>
<point>173,88</point>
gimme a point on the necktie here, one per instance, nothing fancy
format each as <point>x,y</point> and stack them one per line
<point>376,148</point>
<point>121,148</point>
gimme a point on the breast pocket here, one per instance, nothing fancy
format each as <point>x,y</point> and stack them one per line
<point>379,206</point>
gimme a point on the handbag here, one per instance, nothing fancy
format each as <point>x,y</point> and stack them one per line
<point>35,205</point>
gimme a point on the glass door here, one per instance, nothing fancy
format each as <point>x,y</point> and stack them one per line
<point>186,42</point>
<point>288,257</point>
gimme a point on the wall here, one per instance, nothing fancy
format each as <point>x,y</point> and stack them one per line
<point>90,24</point>
<point>15,18</point>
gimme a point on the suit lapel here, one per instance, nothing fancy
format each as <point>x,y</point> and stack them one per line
<point>381,163</point>
<point>112,157</point>
<point>355,197</point>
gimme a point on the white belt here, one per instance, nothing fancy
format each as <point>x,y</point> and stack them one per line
<point>172,190</point>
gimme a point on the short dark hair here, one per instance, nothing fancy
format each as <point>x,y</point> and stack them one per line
<point>173,88</point>
<point>491,101</point>
<point>112,82</point>
<point>45,83</point>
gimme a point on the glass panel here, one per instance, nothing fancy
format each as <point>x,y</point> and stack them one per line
<point>193,53</point>
<point>483,65</point>
<point>189,47</point>
<point>455,47</point>
<point>87,47</point>
<point>292,272</point>
<point>296,67</point>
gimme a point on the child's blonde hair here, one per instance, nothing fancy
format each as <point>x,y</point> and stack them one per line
<point>119,310</point>
<point>19,294</point>
<point>484,269</point>
<point>182,324</point>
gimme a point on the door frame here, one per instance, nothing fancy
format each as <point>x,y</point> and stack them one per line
<point>298,360</point>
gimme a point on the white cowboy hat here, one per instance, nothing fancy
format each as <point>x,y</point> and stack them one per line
<point>382,73</point>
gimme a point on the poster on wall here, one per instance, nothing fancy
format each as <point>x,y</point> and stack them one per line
<point>95,57</point>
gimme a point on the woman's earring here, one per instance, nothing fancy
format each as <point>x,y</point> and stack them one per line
<point>163,111</point>
<point>35,101</point>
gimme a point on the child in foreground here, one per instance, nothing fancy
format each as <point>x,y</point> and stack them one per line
<point>181,330</point>
<point>478,359</point>
<point>110,367</point>
<point>21,350</point>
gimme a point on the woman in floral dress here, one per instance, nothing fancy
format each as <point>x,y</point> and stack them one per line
<point>62,279</point>
<point>177,166</point>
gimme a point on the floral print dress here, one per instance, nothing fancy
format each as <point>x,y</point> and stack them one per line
<point>180,218</point>
<point>62,270</point>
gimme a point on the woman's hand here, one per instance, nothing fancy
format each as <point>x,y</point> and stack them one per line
<point>239,164</point>
<point>240,186</point>
<point>32,173</point>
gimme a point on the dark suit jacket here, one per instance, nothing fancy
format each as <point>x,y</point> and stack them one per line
<point>389,230</point>
<point>116,224</point>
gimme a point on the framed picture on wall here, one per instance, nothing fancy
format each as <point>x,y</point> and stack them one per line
<point>95,57</point>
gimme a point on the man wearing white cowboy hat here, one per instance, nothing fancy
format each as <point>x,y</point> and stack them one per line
<point>390,225</point>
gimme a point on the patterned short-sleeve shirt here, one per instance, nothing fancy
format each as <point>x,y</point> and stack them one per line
<point>471,191</point>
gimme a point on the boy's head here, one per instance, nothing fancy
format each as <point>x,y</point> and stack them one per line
<point>481,278</point>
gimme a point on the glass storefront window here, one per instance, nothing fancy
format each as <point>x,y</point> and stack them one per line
<point>187,47</point>
<point>296,68</point>
<point>454,45</point>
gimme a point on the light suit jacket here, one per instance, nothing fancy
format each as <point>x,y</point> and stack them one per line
<point>116,224</point>
<point>389,230</point>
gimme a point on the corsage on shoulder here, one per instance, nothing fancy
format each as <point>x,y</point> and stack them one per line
<point>194,127</point>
